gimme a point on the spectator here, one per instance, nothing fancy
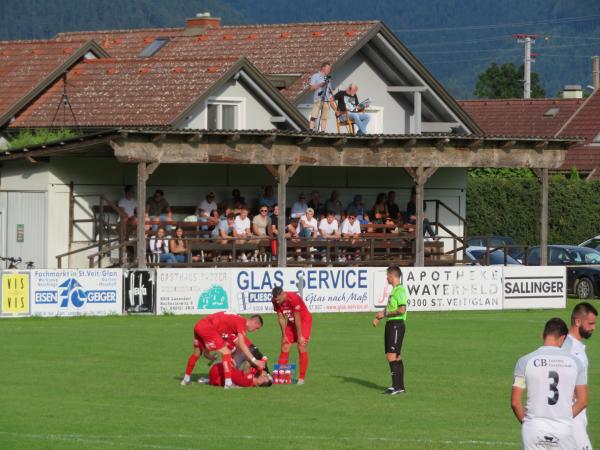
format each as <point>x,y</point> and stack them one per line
<point>261,223</point>
<point>316,204</point>
<point>356,208</point>
<point>209,204</point>
<point>224,230</point>
<point>393,208</point>
<point>128,205</point>
<point>380,209</point>
<point>159,246</point>
<point>334,204</point>
<point>411,213</point>
<point>241,230</point>
<point>351,232</point>
<point>179,246</point>
<point>329,230</point>
<point>308,228</point>
<point>236,197</point>
<point>268,199</point>
<point>299,208</point>
<point>159,210</point>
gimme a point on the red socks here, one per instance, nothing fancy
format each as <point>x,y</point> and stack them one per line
<point>191,363</point>
<point>284,357</point>
<point>226,359</point>
<point>303,357</point>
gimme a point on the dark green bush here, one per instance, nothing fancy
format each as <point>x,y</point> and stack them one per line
<point>511,207</point>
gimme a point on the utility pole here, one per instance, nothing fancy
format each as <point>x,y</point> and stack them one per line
<point>528,40</point>
<point>596,72</point>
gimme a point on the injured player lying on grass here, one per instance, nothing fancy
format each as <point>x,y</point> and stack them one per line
<point>245,377</point>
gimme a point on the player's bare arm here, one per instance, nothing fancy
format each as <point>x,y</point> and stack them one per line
<point>381,314</point>
<point>240,344</point>
<point>282,324</point>
<point>581,398</point>
<point>516,403</point>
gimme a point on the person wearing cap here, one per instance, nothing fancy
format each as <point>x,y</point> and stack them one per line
<point>159,210</point>
<point>316,204</point>
<point>299,208</point>
<point>209,204</point>
<point>356,208</point>
<point>334,204</point>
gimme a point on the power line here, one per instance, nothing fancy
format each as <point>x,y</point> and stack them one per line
<point>466,41</point>
<point>443,52</point>
<point>503,25</point>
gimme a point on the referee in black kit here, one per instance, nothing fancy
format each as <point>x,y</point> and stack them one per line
<point>395,312</point>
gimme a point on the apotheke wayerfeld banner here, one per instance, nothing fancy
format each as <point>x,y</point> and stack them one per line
<point>444,288</point>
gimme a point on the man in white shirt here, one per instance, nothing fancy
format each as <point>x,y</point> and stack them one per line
<point>583,324</point>
<point>308,228</point>
<point>329,229</point>
<point>128,204</point>
<point>552,378</point>
<point>351,232</point>
<point>209,204</point>
<point>241,229</point>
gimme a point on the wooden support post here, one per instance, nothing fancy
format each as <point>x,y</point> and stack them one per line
<point>142,177</point>
<point>544,219</point>
<point>282,178</point>
<point>72,214</point>
<point>420,175</point>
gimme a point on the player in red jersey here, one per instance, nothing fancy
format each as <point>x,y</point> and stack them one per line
<point>211,334</point>
<point>295,322</point>
<point>252,378</point>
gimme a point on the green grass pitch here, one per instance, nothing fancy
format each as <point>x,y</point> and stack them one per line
<point>113,382</point>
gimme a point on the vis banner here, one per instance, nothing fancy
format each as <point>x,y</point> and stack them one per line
<point>322,289</point>
<point>139,291</point>
<point>534,287</point>
<point>74,292</point>
<point>192,291</point>
<point>15,294</point>
<point>444,288</point>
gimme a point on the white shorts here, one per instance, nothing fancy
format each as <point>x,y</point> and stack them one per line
<point>582,441</point>
<point>539,434</point>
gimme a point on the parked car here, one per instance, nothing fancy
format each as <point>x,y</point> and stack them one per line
<point>583,267</point>
<point>592,243</point>
<point>478,256</point>
<point>497,241</point>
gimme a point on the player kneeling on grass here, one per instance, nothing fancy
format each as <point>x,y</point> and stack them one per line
<point>250,377</point>
<point>395,312</point>
<point>296,322</point>
<point>208,337</point>
<point>553,378</point>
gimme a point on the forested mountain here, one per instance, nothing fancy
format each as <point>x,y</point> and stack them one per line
<point>456,39</point>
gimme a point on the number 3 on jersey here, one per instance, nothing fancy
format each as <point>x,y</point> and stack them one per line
<point>553,397</point>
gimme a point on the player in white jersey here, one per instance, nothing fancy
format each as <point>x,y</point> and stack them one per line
<point>583,323</point>
<point>551,377</point>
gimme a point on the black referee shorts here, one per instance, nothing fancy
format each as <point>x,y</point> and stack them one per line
<point>394,335</point>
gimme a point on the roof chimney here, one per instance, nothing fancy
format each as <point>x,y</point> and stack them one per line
<point>203,21</point>
<point>572,91</point>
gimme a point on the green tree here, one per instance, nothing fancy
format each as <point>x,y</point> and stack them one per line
<point>506,81</point>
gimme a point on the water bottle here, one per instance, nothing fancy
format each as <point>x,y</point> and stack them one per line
<point>288,377</point>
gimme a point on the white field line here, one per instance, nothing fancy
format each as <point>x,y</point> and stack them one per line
<point>110,439</point>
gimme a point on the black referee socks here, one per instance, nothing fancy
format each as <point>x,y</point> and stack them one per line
<point>397,371</point>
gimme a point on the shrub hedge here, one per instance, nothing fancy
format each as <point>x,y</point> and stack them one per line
<point>511,207</point>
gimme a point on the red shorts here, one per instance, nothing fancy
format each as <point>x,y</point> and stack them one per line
<point>207,338</point>
<point>292,335</point>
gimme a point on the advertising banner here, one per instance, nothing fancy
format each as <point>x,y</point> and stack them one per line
<point>15,294</point>
<point>73,292</point>
<point>192,291</point>
<point>444,288</point>
<point>323,289</point>
<point>139,291</point>
<point>535,287</point>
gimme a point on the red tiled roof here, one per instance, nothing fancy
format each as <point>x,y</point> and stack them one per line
<point>25,64</point>
<point>586,122</point>
<point>296,48</point>
<point>520,117</point>
<point>126,92</point>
